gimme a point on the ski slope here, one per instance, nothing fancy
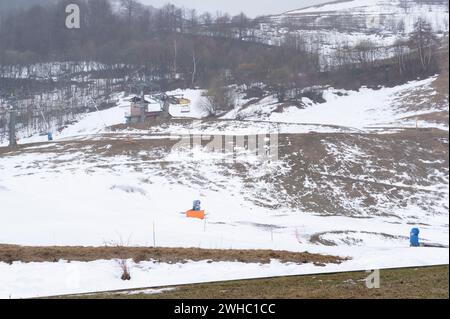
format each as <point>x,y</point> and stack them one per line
<point>93,186</point>
<point>87,193</point>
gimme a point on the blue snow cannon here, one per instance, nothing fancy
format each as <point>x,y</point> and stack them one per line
<point>197,205</point>
<point>50,136</point>
<point>414,237</point>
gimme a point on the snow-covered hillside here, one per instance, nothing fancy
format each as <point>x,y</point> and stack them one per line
<point>57,93</point>
<point>367,110</point>
<point>362,109</point>
<point>326,27</point>
<point>315,168</point>
<point>332,189</point>
<point>372,15</point>
<point>88,124</point>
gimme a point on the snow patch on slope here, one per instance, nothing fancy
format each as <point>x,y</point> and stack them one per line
<point>354,109</point>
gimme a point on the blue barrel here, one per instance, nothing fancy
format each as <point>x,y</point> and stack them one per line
<point>50,136</point>
<point>414,237</point>
<point>197,205</point>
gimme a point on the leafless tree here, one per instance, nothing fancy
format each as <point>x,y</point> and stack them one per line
<point>424,41</point>
<point>405,5</point>
<point>400,50</point>
<point>194,67</point>
<point>365,52</point>
<point>130,8</point>
<point>241,22</point>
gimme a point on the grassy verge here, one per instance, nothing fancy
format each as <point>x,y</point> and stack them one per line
<point>411,283</point>
<point>12,253</point>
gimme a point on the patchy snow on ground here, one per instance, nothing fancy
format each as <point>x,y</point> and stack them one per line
<point>360,110</point>
<point>343,111</point>
<point>86,124</point>
<point>263,107</point>
<point>236,128</point>
<point>97,122</point>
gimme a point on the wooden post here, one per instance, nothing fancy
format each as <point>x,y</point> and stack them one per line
<point>194,60</point>
<point>154,235</point>
<point>12,128</point>
<point>175,58</point>
<point>143,108</point>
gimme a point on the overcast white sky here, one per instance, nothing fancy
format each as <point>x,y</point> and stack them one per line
<point>249,7</point>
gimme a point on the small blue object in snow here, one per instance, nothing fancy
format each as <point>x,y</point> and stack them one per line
<point>197,205</point>
<point>50,136</point>
<point>414,237</point>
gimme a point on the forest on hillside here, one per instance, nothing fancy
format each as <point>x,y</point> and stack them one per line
<point>165,41</point>
<point>174,42</point>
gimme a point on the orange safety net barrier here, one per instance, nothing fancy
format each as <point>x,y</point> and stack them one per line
<point>200,214</point>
